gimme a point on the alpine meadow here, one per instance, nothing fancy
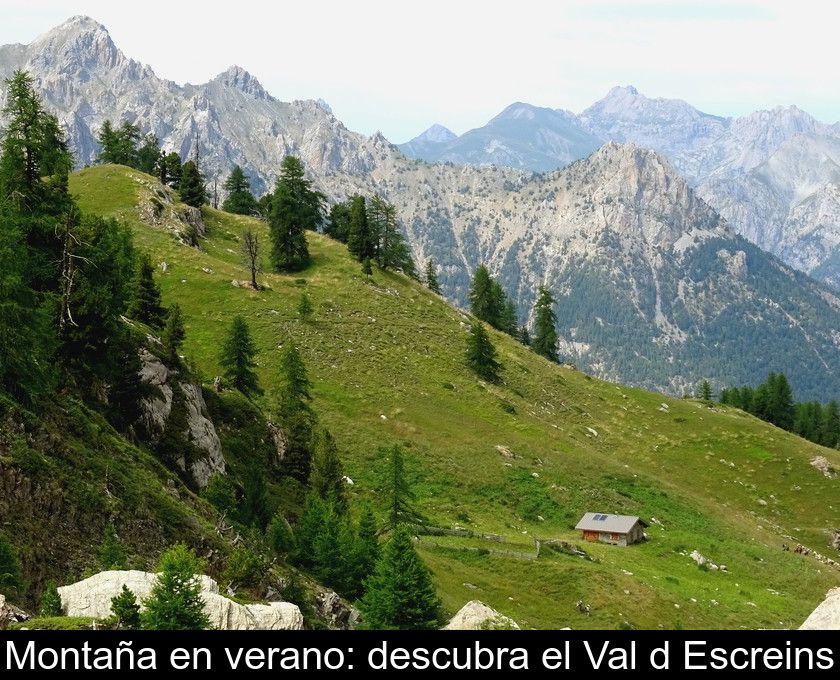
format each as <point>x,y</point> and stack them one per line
<point>261,372</point>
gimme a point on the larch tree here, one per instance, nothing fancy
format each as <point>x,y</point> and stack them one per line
<point>239,199</point>
<point>237,358</point>
<point>544,341</point>
<point>400,593</point>
<point>481,355</point>
<point>251,255</point>
<point>295,208</point>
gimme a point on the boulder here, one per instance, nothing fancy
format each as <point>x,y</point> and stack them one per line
<point>476,615</point>
<point>92,597</point>
<point>822,464</point>
<point>201,433</point>
<point>827,614</point>
<point>10,614</point>
<point>334,611</point>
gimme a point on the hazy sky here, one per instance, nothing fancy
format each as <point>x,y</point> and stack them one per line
<point>399,66</point>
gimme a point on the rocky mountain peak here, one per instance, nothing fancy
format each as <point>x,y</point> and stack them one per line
<point>436,134</point>
<point>238,78</point>
<point>78,43</point>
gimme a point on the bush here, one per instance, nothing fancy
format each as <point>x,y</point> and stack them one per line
<point>51,602</point>
<point>244,568</point>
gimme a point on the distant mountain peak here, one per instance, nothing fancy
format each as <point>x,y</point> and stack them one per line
<point>238,78</point>
<point>435,134</point>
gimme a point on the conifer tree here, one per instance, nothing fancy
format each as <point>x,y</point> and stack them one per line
<point>255,511</point>
<point>483,299</point>
<point>295,207</point>
<point>359,240</point>
<point>309,527</point>
<point>398,493</point>
<point>705,390</point>
<point>304,308</point>
<point>507,318</point>
<point>332,548</point>
<point>51,601</point>
<point>191,186</point>
<point>237,358</point>
<point>119,145</point>
<point>145,304</point>
<point>544,342</point>
<point>327,477</point>
<point>175,602</point>
<point>365,552</point>
<point>481,355</point>
<point>779,407</point>
<point>126,610</point>
<point>338,223</point>
<point>525,336</point>
<point>280,536</point>
<point>431,277</point>
<point>830,425</point>
<point>169,169</point>
<point>111,550</point>
<point>149,154</point>
<point>240,200</point>
<point>367,269</point>
<point>400,593</point>
<point>295,414</point>
<point>174,334</point>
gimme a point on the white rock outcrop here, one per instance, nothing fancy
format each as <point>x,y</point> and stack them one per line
<point>827,614</point>
<point>476,615</point>
<point>92,597</point>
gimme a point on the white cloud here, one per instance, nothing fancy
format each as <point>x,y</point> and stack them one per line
<point>399,66</point>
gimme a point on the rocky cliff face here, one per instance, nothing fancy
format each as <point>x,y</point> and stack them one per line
<point>652,286</point>
<point>170,391</point>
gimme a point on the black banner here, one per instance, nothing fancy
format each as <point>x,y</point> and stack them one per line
<point>371,652</point>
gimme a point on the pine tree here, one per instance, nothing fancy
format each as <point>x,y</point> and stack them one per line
<point>483,299</point>
<point>309,527</point>
<point>126,610</point>
<point>327,477</point>
<point>120,145</point>
<point>145,304</point>
<point>240,200</point>
<point>111,550</point>
<point>331,548</point>
<point>400,593</point>
<point>398,493</point>
<point>508,323</point>
<point>525,336</point>
<point>705,391</point>
<point>295,414</point>
<point>174,334</point>
<point>481,355</point>
<point>175,602</point>
<point>255,511</point>
<point>51,602</point>
<point>830,426</point>
<point>149,154</point>
<point>237,358</point>
<point>295,207</point>
<point>359,239</point>
<point>389,246</point>
<point>252,255</point>
<point>192,187</point>
<point>304,308</point>
<point>780,401</point>
<point>365,552</point>
<point>169,169</point>
<point>10,581</point>
<point>544,342</point>
<point>338,223</point>
<point>431,277</point>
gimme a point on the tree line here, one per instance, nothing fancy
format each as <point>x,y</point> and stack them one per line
<point>772,401</point>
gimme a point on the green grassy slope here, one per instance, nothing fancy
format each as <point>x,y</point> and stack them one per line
<point>386,360</point>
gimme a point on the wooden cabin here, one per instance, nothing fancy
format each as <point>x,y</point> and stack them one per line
<point>615,529</point>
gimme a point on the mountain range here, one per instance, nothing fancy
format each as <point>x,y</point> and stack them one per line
<point>772,174</point>
<point>653,286</point>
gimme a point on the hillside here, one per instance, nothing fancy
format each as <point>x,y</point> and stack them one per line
<point>523,459</point>
<point>696,301</point>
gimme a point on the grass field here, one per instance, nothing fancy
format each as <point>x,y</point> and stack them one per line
<point>524,458</point>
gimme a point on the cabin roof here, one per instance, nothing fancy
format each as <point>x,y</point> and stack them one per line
<point>615,524</point>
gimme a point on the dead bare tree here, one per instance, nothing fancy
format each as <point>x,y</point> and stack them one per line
<point>251,255</point>
<point>70,260</point>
